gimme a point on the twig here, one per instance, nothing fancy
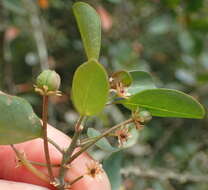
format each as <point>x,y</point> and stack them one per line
<point>56,145</point>
<point>98,138</point>
<point>2,28</point>
<point>86,141</point>
<point>69,151</point>
<point>77,179</point>
<point>164,174</point>
<point>43,164</point>
<point>29,166</point>
<point>45,137</point>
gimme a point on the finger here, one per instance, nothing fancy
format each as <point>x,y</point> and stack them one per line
<point>34,151</point>
<point>8,185</point>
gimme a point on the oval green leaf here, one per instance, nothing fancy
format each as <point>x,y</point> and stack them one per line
<point>18,122</point>
<point>141,81</point>
<point>90,28</point>
<point>90,88</point>
<point>166,103</point>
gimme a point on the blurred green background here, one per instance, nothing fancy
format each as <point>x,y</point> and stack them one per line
<point>168,38</point>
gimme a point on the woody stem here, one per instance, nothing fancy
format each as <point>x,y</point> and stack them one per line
<point>67,155</point>
<point>45,136</point>
<point>84,148</point>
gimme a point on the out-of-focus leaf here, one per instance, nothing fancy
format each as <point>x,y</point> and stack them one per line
<point>204,60</point>
<point>186,76</point>
<point>18,122</point>
<point>133,139</point>
<point>172,3</point>
<point>123,56</point>
<point>200,25</point>
<point>202,78</point>
<point>186,41</point>
<point>193,5</point>
<point>90,88</point>
<point>15,6</point>
<point>90,28</point>
<point>141,81</point>
<point>112,167</point>
<point>103,143</point>
<point>166,103</point>
<point>160,25</point>
<point>114,1</point>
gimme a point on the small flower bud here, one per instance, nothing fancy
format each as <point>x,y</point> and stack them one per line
<point>50,79</point>
<point>145,116</point>
<point>48,83</point>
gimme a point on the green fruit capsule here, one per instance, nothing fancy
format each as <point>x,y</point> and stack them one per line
<point>48,82</point>
<point>145,116</point>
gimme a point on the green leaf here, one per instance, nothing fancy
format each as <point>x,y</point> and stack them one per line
<point>102,143</point>
<point>90,28</point>
<point>166,103</point>
<point>141,81</point>
<point>90,88</point>
<point>112,167</point>
<point>18,122</point>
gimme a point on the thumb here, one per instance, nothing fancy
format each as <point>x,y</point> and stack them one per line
<point>34,151</point>
<point>8,185</point>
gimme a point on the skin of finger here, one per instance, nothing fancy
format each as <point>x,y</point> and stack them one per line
<point>33,151</point>
<point>8,185</point>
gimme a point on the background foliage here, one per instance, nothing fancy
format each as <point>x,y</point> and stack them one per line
<point>167,38</point>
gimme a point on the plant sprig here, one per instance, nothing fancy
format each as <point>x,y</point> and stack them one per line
<point>91,89</point>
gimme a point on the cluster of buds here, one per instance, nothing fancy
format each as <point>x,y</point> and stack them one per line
<point>141,117</point>
<point>48,83</point>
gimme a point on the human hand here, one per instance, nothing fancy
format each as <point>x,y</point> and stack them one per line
<point>33,150</point>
